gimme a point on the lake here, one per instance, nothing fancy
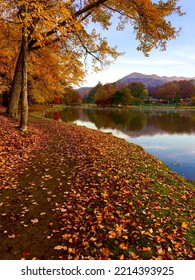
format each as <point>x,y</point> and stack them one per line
<point>168,134</point>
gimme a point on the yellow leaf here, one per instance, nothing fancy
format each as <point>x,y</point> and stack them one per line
<point>185,225</point>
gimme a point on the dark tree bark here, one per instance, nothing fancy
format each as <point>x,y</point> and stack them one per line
<point>24,80</point>
<point>15,91</point>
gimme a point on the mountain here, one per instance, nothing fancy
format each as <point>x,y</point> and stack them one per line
<point>148,80</point>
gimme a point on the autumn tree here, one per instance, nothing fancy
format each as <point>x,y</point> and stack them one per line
<point>49,68</point>
<point>104,94</point>
<point>8,53</point>
<point>47,22</point>
<point>169,91</point>
<point>71,97</point>
<point>51,71</point>
<point>186,89</point>
<point>138,89</point>
<point>122,97</point>
<point>91,95</point>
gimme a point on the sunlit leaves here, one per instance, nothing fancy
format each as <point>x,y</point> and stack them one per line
<point>59,247</point>
<point>53,21</point>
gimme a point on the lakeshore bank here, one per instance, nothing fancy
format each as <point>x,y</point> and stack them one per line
<point>69,192</point>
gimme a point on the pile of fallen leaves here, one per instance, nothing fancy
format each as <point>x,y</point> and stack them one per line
<point>15,149</point>
<point>84,194</point>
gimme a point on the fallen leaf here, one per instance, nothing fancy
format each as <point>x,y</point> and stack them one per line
<point>185,225</point>
<point>34,221</point>
<point>121,257</point>
<point>59,247</point>
<point>12,236</point>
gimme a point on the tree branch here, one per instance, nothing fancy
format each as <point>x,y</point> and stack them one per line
<point>57,39</point>
<point>75,15</point>
<point>88,52</point>
<point>118,11</point>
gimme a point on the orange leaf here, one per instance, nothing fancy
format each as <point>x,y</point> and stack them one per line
<point>121,257</point>
<point>170,236</point>
<point>123,246</point>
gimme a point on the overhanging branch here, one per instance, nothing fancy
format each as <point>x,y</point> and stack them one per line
<point>84,10</point>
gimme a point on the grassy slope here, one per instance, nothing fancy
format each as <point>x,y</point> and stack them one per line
<point>69,192</point>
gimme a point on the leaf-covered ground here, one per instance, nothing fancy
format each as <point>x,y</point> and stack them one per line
<point>69,192</point>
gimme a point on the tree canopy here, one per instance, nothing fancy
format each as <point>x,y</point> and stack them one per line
<point>65,24</point>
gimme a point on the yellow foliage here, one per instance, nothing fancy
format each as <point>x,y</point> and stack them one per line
<point>60,41</point>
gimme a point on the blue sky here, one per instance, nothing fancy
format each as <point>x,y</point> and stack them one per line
<point>177,60</point>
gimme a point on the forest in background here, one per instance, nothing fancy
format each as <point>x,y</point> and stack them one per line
<point>137,93</point>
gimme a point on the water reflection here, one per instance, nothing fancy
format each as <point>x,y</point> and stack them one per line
<point>167,134</point>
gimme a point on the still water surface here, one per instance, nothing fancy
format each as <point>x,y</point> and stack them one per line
<point>168,134</point>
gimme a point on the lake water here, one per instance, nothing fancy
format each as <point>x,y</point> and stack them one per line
<point>168,134</point>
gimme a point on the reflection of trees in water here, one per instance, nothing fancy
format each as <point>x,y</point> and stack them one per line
<point>173,121</point>
<point>70,114</point>
<point>101,119</point>
<point>145,121</point>
<point>67,115</point>
<point>121,119</point>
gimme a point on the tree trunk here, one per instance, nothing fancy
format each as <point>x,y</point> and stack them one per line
<point>15,91</point>
<point>24,80</point>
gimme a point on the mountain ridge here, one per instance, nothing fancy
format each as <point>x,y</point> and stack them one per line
<point>149,80</point>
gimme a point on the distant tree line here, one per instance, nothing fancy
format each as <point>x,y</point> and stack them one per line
<point>175,92</point>
<point>109,94</point>
<point>136,93</point>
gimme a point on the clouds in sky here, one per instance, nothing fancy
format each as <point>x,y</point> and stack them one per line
<point>177,60</point>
